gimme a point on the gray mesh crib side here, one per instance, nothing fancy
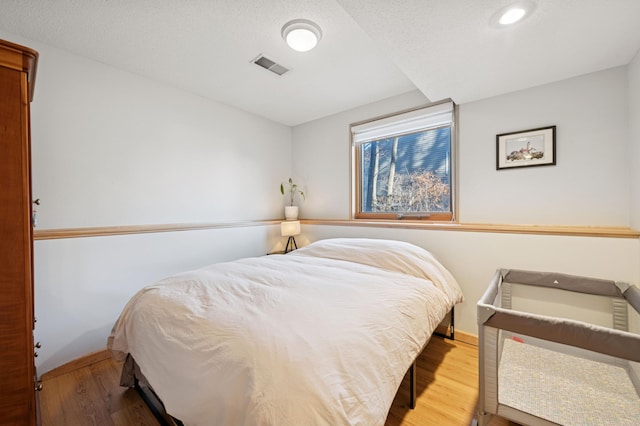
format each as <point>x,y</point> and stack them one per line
<point>495,316</point>
<point>488,352</point>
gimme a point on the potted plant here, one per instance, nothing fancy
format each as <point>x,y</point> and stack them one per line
<point>291,211</point>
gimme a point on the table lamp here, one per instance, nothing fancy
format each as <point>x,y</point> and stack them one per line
<point>289,228</point>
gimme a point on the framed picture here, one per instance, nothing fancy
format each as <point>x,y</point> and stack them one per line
<point>527,148</point>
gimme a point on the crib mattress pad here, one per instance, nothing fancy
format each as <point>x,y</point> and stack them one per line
<point>565,389</point>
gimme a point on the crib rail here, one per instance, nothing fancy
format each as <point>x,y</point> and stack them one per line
<point>498,320</point>
<point>608,341</point>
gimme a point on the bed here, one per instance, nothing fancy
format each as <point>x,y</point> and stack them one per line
<point>320,336</point>
<point>559,349</point>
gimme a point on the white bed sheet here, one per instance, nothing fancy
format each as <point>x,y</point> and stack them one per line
<point>296,339</point>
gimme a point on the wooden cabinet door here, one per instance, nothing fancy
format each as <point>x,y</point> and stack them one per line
<point>17,381</point>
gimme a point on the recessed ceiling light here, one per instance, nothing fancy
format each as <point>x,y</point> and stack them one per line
<point>512,16</point>
<point>301,34</point>
<point>512,13</point>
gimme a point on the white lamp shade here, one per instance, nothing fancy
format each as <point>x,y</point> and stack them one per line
<point>290,228</point>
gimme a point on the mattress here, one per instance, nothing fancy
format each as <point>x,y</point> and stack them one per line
<point>566,389</point>
<point>321,336</point>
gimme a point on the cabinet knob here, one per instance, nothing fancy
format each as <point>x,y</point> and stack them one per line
<point>38,345</point>
<point>39,386</point>
<point>35,354</point>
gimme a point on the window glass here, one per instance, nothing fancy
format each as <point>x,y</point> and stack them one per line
<point>405,175</point>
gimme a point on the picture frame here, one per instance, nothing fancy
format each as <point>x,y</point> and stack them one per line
<point>526,148</point>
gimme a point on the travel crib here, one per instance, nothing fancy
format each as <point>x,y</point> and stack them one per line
<point>559,349</point>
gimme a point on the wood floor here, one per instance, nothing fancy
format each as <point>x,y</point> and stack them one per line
<point>447,388</point>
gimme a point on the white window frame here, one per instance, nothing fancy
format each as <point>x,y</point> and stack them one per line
<point>431,116</point>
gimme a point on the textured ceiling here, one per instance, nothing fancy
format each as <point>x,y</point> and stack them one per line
<point>370,50</point>
<point>450,49</point>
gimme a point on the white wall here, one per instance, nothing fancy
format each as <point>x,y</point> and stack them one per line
<point>634,145</point>
<point>589,185</point>
<point>634,156</point>
<point>111,148</point>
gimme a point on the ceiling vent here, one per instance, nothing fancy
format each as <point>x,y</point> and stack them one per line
<point>268,64</point>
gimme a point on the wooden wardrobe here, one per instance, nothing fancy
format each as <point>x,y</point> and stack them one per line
<point>18,383</point>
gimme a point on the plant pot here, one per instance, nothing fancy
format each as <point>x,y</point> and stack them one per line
<point>291,212</point>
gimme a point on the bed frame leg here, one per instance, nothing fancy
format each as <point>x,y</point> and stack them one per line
<point>412,386</point>
<point>450,332</point>
<point>452,326</point>
<point>481,419</point>
<point>412,369</point>
<point>155,405</point>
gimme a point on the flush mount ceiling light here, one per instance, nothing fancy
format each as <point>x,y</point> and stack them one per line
<point>513,13</point>
<point>512,16</point>
<point>301,34</point>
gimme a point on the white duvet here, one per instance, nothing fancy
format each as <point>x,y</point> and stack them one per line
<point>320,336</point>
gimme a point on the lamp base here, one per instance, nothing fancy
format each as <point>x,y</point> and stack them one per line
<point>291,243</point>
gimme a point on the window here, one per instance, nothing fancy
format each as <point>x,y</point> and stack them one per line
<point>403,165</point>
